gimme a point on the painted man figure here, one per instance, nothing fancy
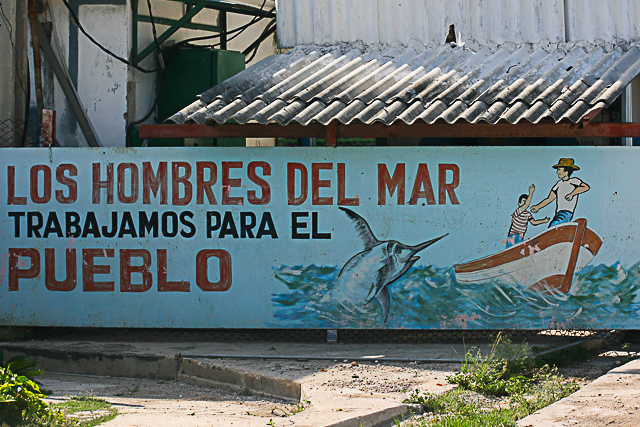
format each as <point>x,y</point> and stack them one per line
<point>565,192</point>
<point>521,218</point>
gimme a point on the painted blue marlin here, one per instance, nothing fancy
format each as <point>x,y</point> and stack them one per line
<point>380,264</point>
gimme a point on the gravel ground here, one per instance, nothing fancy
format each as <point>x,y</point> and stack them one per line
<point>156,403</point>
<point>128,394</point>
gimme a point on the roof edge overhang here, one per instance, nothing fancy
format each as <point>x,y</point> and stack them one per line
<point>398,130</point>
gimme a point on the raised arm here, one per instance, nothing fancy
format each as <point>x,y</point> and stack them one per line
<point>526,205</point>
<point>550,198</point>
<point>582,188</point>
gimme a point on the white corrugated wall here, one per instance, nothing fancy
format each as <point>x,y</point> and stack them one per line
<point>480,22</point>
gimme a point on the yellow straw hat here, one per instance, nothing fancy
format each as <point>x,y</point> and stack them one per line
<point>567,164</point>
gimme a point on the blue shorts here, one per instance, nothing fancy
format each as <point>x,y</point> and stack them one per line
<point>560,217</point>
<point>514,239</point>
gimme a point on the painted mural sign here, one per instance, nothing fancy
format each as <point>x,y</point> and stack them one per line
<point>455,237</point>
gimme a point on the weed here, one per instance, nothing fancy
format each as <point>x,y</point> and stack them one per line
<point>136,388</point>
<point>501,373</point>
<point>271,423</point>
<point>133,390</point>
<point>508,370</point>
<point>76,404</point>
<point>301,406</point>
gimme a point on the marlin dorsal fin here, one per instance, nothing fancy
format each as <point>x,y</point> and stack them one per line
<point>364,231</point>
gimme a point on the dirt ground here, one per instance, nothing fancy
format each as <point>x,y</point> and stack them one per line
<point>132,393</point>
<point>166,403</point>
<point>157,403</point>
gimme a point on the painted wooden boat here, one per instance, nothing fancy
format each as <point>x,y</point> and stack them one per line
<point>545,262</point>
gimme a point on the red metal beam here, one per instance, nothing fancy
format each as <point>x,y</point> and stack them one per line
<point>331,132</point>
<point>421,130</point>
<point>231,130</point>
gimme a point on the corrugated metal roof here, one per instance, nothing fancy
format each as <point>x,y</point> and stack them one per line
<point>360,84</point>
<point>480,23</point>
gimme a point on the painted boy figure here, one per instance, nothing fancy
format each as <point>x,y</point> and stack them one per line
<point>565,192</point>
<point>521,218</point>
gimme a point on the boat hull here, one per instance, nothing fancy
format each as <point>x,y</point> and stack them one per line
<point>544,262</point>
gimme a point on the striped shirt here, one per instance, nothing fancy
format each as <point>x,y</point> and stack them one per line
<point>519,222</point>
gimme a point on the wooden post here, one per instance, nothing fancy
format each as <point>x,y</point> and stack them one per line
<point>331,134</point>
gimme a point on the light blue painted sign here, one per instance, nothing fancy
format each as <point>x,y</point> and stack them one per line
<point>453,237</point>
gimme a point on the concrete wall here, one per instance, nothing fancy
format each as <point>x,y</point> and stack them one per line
<point>100,80</point>
<point>7,65</point>
<point>111,93</point>
<point>13,37</point>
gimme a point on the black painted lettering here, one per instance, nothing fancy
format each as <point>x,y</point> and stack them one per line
<point>296,225</point>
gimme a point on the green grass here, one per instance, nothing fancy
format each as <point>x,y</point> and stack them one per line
<point>77,404</point>
<point>496,390</point>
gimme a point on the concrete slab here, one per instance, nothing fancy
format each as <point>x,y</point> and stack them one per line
<point>336,392</point>
<point>612,399</point>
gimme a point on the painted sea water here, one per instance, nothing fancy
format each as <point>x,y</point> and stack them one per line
<point>428,297</point>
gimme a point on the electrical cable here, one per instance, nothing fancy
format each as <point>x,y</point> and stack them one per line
<point>155,102</point>
<point>155,37</point>
<point>173,50</point>
<point>104,49</point>
<point>255,50</point>
<point>240,29</point>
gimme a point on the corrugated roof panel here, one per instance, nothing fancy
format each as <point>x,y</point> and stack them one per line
<point>353,84</point>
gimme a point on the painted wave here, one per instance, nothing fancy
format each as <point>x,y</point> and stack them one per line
<point>429,297</point>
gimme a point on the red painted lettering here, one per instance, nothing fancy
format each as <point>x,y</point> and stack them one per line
<point>317,183</point>
<point>386,182</point>
<point>444,188</point>
<point>70,281</point>
<point>126,270</point>
<point>89,270</point>
<point>202,270</point>
<point>227,183</point>
<point>204,186</point>
<point>177,179</point>
<point>342,199</point>
<point>422,188</point>
<point>163,284</point>
<point>264,185</point>
<point>11,188</point>
<point>291,183</point>
<point>16,273</point>
<point>71,184</point>
<point>34,181</point>
<point>98,184</point>
<point>133,187</point>
<point>152,183</point>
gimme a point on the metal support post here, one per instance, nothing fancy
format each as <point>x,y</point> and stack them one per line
<point>331,131</point>
<point>223,25</point>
